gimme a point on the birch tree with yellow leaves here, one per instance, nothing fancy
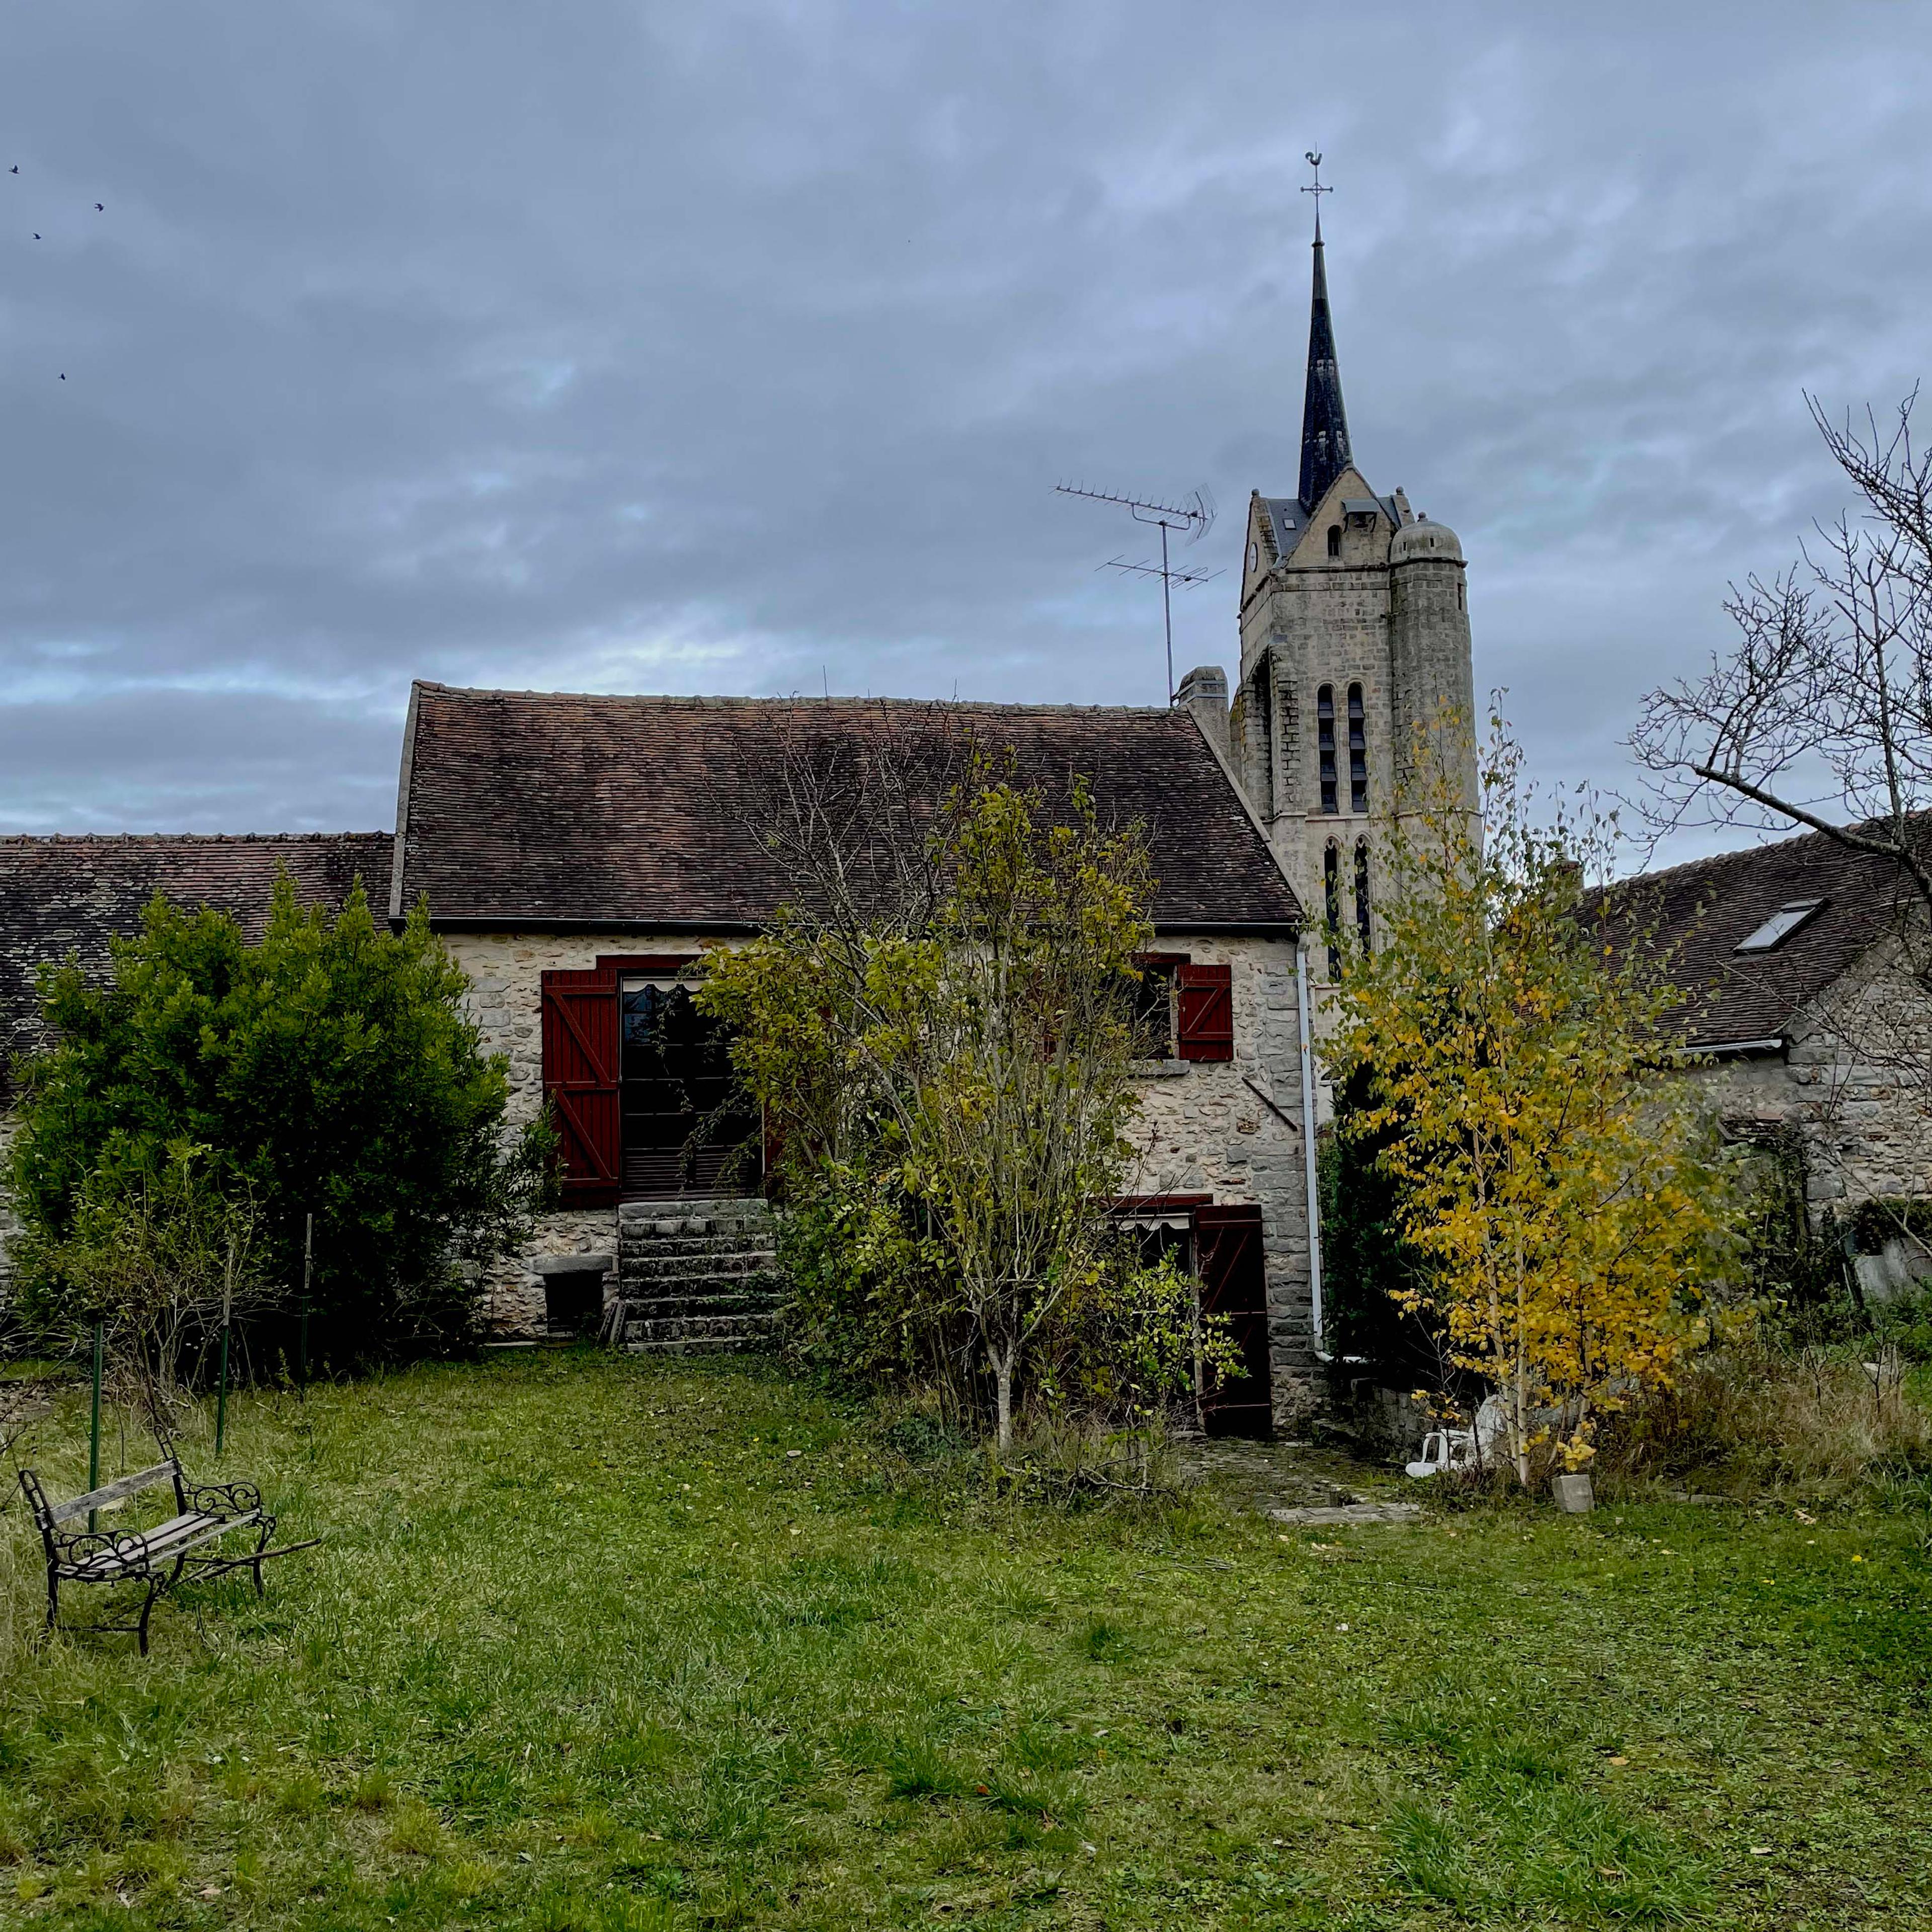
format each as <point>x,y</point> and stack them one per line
<point>1566,1197</point>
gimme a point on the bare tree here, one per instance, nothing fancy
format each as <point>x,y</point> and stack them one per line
<point>1821,716</point>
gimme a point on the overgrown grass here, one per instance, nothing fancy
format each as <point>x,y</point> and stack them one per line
<point>1825,1421</point>
<point>600,1644</point>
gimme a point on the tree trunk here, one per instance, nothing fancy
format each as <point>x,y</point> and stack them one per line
<point>1002,1378</point>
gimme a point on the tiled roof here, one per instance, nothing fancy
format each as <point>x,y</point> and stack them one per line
<point>523,807</point>
<point>63,895</point>
<point>1694,916</point>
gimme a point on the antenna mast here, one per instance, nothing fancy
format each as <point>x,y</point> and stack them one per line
<point>1195,517</point>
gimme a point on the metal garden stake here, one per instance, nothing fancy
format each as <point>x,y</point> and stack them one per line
<point>221,1388</point>
<point>94,1428</point>
<point>308,1275</point>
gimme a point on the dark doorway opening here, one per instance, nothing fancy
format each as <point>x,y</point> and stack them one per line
<point>683,1132</point>
<point>1233,1273</point>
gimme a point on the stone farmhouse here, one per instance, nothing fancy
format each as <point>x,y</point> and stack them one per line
<point>1812,1032</point>
<point>580,854</point>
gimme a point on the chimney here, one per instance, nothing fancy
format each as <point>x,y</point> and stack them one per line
<point>1204,691</point>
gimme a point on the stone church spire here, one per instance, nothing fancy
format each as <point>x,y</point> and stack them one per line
<point>1325,424</point>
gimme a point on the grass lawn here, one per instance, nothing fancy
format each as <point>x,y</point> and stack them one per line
<point>600,1643</point>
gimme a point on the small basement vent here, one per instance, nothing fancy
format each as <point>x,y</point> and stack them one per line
<point>1781,924</point>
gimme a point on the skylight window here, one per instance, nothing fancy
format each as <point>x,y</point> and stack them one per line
<point>1781,924</point>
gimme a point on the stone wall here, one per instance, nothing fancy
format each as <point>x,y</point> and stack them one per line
<point>505,971</point>
<point>1854,1080</point>
<point>1205,1129</point>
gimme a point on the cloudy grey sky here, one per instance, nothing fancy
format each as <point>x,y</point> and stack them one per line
<point>736,348</point>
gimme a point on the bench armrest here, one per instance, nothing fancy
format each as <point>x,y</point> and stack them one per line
<point>84,1545</point>
<point>222,1499</point>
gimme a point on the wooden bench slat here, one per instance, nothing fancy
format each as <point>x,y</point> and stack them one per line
<point>162,1543</point>
<point>111,1493</point>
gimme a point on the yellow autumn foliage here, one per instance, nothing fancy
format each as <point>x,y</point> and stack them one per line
<point>1564,1193</point>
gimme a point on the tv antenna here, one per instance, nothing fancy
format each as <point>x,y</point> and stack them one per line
<point>1195,517</point>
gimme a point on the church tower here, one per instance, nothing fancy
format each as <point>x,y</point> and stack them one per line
<point>1355,639</point>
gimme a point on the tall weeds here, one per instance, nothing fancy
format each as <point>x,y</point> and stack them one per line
<point>1832,1420</point>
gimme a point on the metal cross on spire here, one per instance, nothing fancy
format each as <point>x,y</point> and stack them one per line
<point>1316,189</point>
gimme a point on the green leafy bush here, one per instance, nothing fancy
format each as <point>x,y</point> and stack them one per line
<point>328,1070</point>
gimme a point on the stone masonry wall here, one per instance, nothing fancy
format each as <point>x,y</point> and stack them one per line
<point>505,971</point>
<point>1205,1129</point>
<point>1855,1080</point>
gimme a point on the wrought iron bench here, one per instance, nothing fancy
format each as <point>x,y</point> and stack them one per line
<point>157,1557</point>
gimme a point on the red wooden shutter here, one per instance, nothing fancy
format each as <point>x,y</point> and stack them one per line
<point>1205,1021</point>
<point>579,1080</point>
<point>1234,1282</point>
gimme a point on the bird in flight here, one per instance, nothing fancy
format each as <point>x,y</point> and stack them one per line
<point>100,208</point>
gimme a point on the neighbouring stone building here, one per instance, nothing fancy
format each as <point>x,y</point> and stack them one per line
<point>1355,656</point>
<point>1812,1031</point>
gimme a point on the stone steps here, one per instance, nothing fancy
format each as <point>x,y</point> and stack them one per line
<point>718,1264</point>
<point>711,1345</point>
<point>695,1277</point>
<point>747,1302</point>
<point>720,1330</point>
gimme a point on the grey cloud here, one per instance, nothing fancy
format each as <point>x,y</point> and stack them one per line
<point>739,347</point>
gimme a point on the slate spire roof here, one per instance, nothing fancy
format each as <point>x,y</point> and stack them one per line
<point>1325,423</point>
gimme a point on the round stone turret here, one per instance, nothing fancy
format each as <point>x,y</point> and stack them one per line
<point>1431,682</point>
<point>1422,538</point>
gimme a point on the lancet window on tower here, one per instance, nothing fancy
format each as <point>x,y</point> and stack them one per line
<point>1263,700</point>
<point>1331,900</point>
<point>1324,744</point>
<point>1358,751</point>
<point>1334,539</point>
<point>1362,894</point>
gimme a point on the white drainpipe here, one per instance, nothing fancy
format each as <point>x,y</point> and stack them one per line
<point>1321,1354</point>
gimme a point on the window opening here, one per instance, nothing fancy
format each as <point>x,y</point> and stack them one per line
<point>1331,897</point>
<point>1334,539</point>
<point>1460,588</point>
<point>1152,996</point>
<point>1264,734</point>
<point>1781,924</point>
<point>1325,743</point>
<point>682,1134</point>
<point>1358,752</point>
<point>1362,894</point>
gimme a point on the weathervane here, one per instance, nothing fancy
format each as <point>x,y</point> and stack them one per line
<point>1314,161</point>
